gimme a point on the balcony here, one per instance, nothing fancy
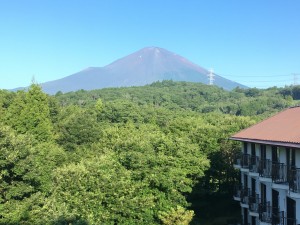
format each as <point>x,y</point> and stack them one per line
<point>242,162</point>
<point>254,166</point>
<point>265,170</point>
<point>294,182</point>
<point>238,161</point>
<point>272,215</point>
<point>245,162</point>
<point>245,192</point>
<point>279,173</point>
<point>265,212</point>
<point>254,204</point>
<point>289,221</point>
<point>279,176</point>
<point>237,192</point>
<point>278,218</point>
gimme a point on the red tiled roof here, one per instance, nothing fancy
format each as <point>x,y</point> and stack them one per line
<point>282,127</point>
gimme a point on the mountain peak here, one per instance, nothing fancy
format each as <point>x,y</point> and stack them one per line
<point>144,66</point>
<point>151,48</point>
<point>156,50</point>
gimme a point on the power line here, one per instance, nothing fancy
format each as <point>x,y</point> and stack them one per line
<point>263,81</point>
<point>250,76</point>
<point>292,76</point>
<point>290,79</point>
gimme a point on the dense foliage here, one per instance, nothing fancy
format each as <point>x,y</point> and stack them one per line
<point>197,97</point>
<point>121,155</point>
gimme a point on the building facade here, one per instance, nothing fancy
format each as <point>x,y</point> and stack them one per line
<point>269,164</point>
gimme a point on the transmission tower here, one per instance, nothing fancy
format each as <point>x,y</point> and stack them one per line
<point>295,77</point>
<point>211,77</point>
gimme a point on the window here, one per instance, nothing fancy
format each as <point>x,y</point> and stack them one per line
<point>245,148</point>
<point>253,149</point>
<point>245,181</point>
<point>263,152</point>
<point>290,157</point>
<point>275,154</point>
<point>263,192</point>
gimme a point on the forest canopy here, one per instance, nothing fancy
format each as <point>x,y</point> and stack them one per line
<point>122,155</point>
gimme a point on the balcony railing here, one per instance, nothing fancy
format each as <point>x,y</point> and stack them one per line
<point>280,219</point>
<point>290,221</point>
<point>294,180</point>
<point>279,173</point>
<point>237,191</point>
<point>254,201</point>
<point>265,212</point>
<point>272,215</point>
<point>237,159</point>
<point>277,217</point>
<point>245,161</point>
<point>265,168</point>
<point>254,164</point>
<point>245,192</point>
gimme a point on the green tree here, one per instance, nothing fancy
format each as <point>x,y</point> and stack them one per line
<point>100,191</point>
<point>30,113</point>
<point>25,174</point>
<point>77,127</point>
<point>176,216</point>
<point>169,165</point>
<point>99,105</point>
<point>14,150</point>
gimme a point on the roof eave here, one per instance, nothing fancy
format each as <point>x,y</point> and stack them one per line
<point>267,142</point>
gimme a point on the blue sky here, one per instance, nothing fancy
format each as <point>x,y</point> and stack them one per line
<point>254,42</point>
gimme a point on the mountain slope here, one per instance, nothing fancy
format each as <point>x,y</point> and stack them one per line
<point>142,67</point>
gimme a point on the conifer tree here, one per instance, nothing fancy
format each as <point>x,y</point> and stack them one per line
<point>30,113</point>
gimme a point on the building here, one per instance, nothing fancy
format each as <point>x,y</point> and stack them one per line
<point>269,191</point>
